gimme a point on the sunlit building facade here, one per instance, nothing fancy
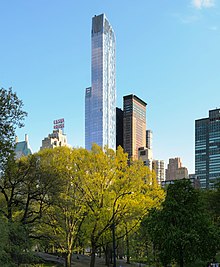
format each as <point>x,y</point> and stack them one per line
<point>134,125</point>
<point>100,98</point>
<point>56,139</point>
<point>172,167</point>
<point>159,168</point>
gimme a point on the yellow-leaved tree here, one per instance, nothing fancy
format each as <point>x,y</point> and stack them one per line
<point>116,193</point>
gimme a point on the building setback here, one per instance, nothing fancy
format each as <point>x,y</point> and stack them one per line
<point>134,125</point>
<point>100,98</point>
<point>207,149</point>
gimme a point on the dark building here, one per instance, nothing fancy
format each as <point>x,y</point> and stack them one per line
<point>119,127</point>
<point>207,149</point>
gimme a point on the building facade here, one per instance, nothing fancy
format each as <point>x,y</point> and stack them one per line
<point>207,149</point>
<point>134,125</point>
<point>56,139</point>
<point>22,148</point>
<point>182,173</point>
<point>173,165</point>
<point>159,168</point>
<point>119,127</point>
<point>146,155</point>
<point>149,138</point>
<point>100,98</point>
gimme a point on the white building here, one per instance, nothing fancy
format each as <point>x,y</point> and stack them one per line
<point>159,168</point>
<point>146,155</point>
<point>56,139</point>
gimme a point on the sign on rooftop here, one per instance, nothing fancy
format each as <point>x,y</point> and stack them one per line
<point>58,124</point>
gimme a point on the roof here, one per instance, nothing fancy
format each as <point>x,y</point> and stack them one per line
<point>22,149</point>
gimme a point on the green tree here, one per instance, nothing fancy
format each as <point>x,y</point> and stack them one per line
<point>62,221</point>
<point>25,194</point>
<point>11,117</point>
<point>181,230</point>
<point>211,200</point>
<point>114,192</point>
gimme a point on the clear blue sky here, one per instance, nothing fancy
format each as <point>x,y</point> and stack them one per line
<point>168,54</point>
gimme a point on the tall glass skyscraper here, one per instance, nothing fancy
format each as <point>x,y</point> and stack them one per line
<point>100,98</point>
<point>207,149</point>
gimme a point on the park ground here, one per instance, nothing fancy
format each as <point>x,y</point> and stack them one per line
<point>84,261</point>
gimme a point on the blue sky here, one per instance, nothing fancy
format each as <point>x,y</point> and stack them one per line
<point>168,54</point>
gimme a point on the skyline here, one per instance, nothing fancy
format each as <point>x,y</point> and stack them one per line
<point>166,53</point>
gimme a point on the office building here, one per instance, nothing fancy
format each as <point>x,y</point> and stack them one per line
<point>22,148</point>
<point>173,165</point>
<point>159,169</point>
<point>207,149</point>
<point>134,125</point>
<point>56,139</point>
<point>175,170</point>
<point>100,98</point>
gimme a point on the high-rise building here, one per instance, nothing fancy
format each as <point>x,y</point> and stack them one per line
<point>134,126</point>
<point>158,167</point>
<point>100,98</point>
<point>173,165</point>
<point>207,149</point>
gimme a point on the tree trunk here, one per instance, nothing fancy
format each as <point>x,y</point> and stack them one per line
<point>181,258</point>
<point>107,254</point>
<point>127,246</point>
<point>92,261</point>
<point>68,259</point>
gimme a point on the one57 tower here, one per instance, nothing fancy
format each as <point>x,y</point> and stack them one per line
<point>100,98</point>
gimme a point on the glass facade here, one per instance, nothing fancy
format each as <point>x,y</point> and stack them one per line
<point>207,149</point>
<point>100,98</point>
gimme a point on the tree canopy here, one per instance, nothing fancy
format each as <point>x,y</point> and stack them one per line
<point>11,117</point>
<point>181,230</point>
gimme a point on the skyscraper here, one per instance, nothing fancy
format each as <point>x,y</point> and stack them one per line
<point>207,149</point>
<point>173,165</point>
<point>134,125</point>
<point>100,98</point>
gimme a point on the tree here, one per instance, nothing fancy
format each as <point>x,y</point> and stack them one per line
<point>62,221</point>
<point>11,117</point>
<point>211,200</point>
<point>114,193</point>
<point>26,192</point>
<point>181,230</point>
